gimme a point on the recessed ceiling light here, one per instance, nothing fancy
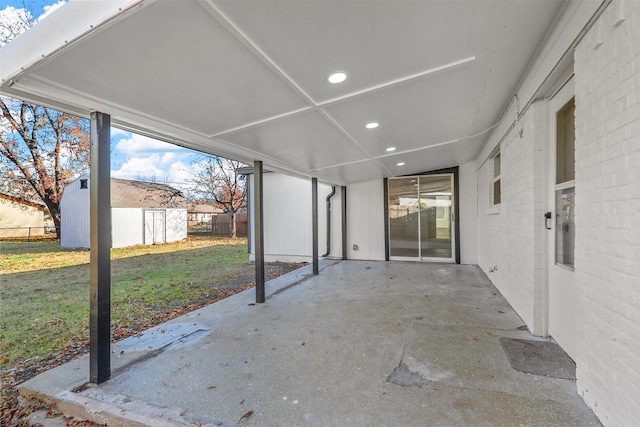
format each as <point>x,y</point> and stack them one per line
<point>401,164</point>
<point>372,125</point>
<point>337,77</point>
<point>391,149</point>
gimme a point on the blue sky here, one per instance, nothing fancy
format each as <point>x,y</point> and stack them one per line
<point>132,156</point>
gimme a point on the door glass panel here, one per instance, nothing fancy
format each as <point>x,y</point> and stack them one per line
<point>435,216</point>
<point>565,143</point>
<point>403,217</point>
<point>565,226</point>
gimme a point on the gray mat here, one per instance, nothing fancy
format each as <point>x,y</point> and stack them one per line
<point>539,357</point>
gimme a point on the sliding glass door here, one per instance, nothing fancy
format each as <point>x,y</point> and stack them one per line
<point>420,218</point>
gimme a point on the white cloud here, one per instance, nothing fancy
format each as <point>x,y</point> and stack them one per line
<point>156,166</point>
<point>141,167</point>
<point>138,144</point>
<point>180,173</point>
<point>48,10</point>
<point>13,22</point>
<point>115,132</point>
<point>146,158</point>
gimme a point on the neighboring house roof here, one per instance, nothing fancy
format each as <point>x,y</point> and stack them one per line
<point>22,201</point>
<point>205,208</point>
<point>139,194</point>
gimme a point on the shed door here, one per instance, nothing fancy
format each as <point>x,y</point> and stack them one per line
<point>154,225</point>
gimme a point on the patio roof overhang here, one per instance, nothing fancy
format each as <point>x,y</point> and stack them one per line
<point>248,80</point>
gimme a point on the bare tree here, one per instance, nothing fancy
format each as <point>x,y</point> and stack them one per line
<point>41,150</point>
<point>218,180</point>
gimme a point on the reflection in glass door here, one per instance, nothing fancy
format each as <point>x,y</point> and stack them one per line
<point>420,217</point>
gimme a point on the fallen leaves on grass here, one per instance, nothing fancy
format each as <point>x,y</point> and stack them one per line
<point>12,414</point>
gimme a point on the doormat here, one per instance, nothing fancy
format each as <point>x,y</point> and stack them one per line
<point>539,358</point>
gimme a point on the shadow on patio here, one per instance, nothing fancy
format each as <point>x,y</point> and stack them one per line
<point>363,343</point>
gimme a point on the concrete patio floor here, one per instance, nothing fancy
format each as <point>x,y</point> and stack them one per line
<point>321,352</point>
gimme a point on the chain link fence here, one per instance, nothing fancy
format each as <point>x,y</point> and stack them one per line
<point>28,233</point>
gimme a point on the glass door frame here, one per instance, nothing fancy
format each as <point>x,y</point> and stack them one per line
<point>455,220</point>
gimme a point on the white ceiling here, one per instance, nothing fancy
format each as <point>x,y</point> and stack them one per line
<point>248,79</point>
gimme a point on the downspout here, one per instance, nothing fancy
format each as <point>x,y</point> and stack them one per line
<point>328,203</point>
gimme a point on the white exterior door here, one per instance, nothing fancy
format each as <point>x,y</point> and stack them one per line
<point>562,298</point>
<point>154,226</point>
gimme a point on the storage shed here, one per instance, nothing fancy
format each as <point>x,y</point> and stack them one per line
<point>142,213</point>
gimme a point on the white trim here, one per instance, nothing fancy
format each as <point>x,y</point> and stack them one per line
<point>549,65</point>
<point>452,222</point>
<point>565,185</point>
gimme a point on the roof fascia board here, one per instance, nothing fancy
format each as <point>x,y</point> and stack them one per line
<point>68,24</point>
<point>556,54</point>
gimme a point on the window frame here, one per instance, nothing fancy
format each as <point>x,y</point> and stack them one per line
<point>496,183</point>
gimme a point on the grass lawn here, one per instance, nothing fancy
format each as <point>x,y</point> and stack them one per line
<point>44,290</point>
<point>44,297</point>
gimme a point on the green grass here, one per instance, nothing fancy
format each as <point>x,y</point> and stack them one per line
<point>44,290</point>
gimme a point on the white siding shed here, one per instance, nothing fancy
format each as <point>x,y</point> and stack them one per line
<point>142,213</point>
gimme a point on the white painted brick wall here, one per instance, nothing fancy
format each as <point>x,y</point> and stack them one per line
<point>511,237</point>
<point>607,76</point>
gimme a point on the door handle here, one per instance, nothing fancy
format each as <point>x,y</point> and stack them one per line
<point>547,217</point>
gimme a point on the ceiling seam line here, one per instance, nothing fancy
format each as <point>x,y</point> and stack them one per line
<point>263,121</point>
<point>395,82</point>
<point>332,121</point>
<point>384,156</point>
<point>244,39</point>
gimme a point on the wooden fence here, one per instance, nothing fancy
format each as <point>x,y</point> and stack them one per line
<point>220,225</point>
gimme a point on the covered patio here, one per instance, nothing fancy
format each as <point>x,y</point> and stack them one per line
<point>307,89</point>
<point>361,344</point>
<point>470,88</point>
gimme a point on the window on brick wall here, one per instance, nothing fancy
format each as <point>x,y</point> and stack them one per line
<point>497,193</point>
<point>565,185</point>
<point>566,143</point>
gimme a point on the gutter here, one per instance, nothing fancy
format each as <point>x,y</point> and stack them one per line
<point>328,203</point>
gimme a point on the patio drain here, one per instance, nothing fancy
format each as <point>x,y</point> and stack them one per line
<point>539,358</point>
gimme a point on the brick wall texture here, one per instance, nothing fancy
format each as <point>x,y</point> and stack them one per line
<point>607,259</point>
<point>511,248</point>
<point>513,259</point>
